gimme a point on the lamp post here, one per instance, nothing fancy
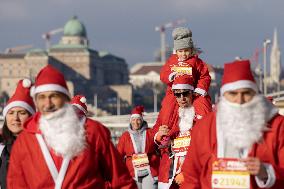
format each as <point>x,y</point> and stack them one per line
<point>155,92</point>
<point>265,44</point>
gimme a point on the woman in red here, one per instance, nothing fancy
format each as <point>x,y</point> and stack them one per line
<point>138,149</point>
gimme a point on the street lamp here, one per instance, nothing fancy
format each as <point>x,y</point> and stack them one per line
<point>155,92</point>
<point>265,44</point>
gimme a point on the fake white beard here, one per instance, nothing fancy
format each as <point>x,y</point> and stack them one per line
<point>243,125</point>
<point>63,132</point>
<point>186,116</point>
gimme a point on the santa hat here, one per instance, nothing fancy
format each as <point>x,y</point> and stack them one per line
<point>80,102</point>
<point>50,79</point>
<point>182,38</point>
<point>238,75</point>
<point>21,98</point>
<point>137,112</point>
<point>183,82</point>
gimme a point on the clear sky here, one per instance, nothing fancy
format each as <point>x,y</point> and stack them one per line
<point>223,29</point>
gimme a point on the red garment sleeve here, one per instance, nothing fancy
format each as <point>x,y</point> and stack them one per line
<point>203,74</point>
<point>191,168</point>
<point>166,70</point>
<point>15,176</point>
<point>112,165</point>
<point>279,168</point>
<point>121,145</point>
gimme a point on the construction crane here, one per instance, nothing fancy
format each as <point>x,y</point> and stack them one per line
<point>162,30</point>
<point>17,49</point>
<point>47,36</point>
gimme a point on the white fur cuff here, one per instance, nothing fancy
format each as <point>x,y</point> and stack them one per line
<point>200,91</point>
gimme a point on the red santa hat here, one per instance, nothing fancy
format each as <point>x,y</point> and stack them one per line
<point>183,82</point>
<point>80,102</point>
<point>21,98</point>
<point>50,79</point>
<point>238,75</point>
<point>137,112</point>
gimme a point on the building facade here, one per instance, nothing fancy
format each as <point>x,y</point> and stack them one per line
<point>87,71</point>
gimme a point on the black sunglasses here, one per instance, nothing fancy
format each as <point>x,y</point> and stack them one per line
<point>184,94</point>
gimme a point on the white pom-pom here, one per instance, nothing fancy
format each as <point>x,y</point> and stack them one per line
<point>83,100</point>
<point>27,83</point>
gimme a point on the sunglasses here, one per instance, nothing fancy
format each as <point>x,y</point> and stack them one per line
<point>184,94</point>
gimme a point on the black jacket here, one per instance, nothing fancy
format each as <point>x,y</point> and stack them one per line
<point>4,162</point>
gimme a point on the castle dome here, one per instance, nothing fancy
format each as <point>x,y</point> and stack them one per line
<point>75,28</point>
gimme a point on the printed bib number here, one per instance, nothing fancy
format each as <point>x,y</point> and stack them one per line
<point>230,174</point>
<point>182,69</point>
<point>182,143</point>
<point>140,161</point>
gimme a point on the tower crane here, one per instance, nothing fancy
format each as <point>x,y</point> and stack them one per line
<point>17,48</point>
<point>162,30</point>
<point>47,36</point>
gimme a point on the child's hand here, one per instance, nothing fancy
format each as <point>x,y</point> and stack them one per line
<point>179,74</point>
<point>179,179</point>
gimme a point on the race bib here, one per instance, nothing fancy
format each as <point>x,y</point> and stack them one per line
<point>182,69</point>
<point>181,144</point>
<point>230,174</point>
<point>140,161</point>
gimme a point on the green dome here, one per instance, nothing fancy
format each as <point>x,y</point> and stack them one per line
<point>75,28</point>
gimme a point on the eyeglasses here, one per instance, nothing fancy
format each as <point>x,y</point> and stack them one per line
<point>184,94</point>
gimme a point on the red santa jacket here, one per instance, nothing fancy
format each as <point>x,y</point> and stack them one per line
<point>165,162</point>
<point>125,148</point>
<point>98,164</point>
<point>197,167</point>
<point>199,72</point>
<point>202,79</point>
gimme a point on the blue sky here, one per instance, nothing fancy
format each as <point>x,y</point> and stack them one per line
<point>223,29</point>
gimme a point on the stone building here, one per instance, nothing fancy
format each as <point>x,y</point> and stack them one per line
<point>87,71</point>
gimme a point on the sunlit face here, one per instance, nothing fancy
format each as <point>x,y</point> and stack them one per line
<point>183,97</point>
<point>15,119</point>
<point>50,101</point>
<point>240,96</point>
<point>184,54</point>
<point>136,123</point>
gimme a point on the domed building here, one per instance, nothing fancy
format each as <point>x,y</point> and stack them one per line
<point>87,71</point>
<point>74,33</point>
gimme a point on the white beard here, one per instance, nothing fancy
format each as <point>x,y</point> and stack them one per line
<point>63,132</point>
<point>186,116</point>
<point>243,125</point>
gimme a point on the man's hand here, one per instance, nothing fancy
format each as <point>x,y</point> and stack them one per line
<point>163,131</point>
<point>256,167</point>
<point>179,179</point>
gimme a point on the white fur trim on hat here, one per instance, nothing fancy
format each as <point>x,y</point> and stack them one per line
<point>238,85</point>
<point>27,83</point>
<point>136,116</point>
<point>182,86</point>
<point>81,108</point>
<point>83,100</point>
<point>50,87</point>
<point>18,104</point>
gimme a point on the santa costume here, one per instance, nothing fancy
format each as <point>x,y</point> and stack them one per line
<point>79,103</point>
<point>58,151</point>
<point>20,98</point>
<point>172,153</point>
<point>237,131</point>
<point>139,143</point>
<point>193,67</point>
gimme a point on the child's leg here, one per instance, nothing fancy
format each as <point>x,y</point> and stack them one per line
<point>202,106</point>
